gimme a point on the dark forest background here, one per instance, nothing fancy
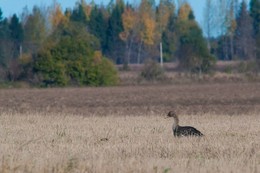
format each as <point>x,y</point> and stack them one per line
<point>49,46</point>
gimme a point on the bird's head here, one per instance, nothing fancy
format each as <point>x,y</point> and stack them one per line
<point>171,114</point>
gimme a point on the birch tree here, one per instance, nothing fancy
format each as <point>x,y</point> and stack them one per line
<point>245,43</point>
<point>209,20</point>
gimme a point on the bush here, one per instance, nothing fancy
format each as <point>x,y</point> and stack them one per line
<point>73,59</point>
<point>50,72</point>
<point>247,67</point>
<point>101,71</point>
<point>152,71</point>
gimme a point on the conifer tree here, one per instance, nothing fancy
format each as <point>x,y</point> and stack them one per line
<point>78,13</point>
<point>255,14</point>
<point>193,53</point>
<point>114,45</point>
<point>16,35</point>
<point>169,38</point>
<point>4,40</point>
<point>97,25</point>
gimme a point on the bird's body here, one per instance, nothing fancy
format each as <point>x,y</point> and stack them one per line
<point>179,131</point>
<point>186,131</point>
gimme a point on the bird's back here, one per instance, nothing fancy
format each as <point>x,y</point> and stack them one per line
<point>186,131</point>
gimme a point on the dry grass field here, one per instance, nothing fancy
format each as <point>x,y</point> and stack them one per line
<point>124,129</point>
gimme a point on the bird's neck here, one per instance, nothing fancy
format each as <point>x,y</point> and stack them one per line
<point>175,123</point>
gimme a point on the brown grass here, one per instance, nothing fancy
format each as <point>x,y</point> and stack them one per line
<point>67,143</point>
<point>123,129</point>
<point>232,99</point>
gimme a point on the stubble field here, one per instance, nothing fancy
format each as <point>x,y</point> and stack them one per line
<point>123,129</point>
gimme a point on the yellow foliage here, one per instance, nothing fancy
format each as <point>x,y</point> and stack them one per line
<point>25,58</point>
<point>164,14</point>
<point>148,32</point>
<point>184,12</point>
<point>98,57</point>
<point>57,18</point>
<point>128,19</point>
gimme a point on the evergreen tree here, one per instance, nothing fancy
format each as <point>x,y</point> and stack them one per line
<point>16,30</point>
<point>193,53</point>
<point>97,25</point>
<point>4,28</point>
<point>4,40</point>
<point>255,14</point>
<point>114,45</point>
<point>16,35</point>
<point>78,13</point>
<point>169,38</point>
<point>1,15</point>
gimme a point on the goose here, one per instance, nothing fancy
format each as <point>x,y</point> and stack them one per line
<point>179,131</point>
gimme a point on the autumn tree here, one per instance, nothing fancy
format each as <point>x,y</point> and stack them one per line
<point>129,19</point>
<point>163,13</point>
<point>209,20</point>
<point>146,29</point>
<point>164,10</point>
<point>35,29</point>
<point>57,18</point>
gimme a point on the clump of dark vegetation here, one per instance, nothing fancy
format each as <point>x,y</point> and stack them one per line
<point>152,71</point>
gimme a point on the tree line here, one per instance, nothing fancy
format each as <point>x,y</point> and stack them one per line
<point>78,46</point>
<point>232,30</point>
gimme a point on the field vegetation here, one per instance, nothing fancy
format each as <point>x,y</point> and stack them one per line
<point>124,129</point>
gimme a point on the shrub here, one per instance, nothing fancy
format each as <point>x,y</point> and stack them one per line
<point>100,71</point>
<point>51,72</point>
<point>152,71</point>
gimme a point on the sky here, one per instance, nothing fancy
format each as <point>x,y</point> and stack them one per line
<point>9,7</point>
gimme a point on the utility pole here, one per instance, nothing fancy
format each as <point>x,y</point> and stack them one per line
<point>161,54</point>
<point>21,51</point>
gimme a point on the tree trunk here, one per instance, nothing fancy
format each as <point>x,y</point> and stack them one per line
<point>139,52</point>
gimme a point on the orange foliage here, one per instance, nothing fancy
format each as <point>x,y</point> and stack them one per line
<point>57,16</point>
